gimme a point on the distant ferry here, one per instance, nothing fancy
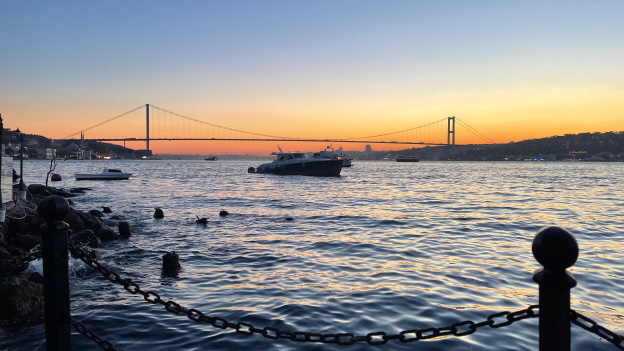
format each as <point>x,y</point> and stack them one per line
<point>407,158</point>
<point>211,158</point>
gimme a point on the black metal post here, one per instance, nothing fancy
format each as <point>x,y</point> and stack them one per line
<point>55,272</point>
<point>556,249</point>
<point>21,157</point>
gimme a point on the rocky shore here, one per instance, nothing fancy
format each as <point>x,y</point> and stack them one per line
<point>21,290</point>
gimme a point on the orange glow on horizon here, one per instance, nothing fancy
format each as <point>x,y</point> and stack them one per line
<point>501,115</point>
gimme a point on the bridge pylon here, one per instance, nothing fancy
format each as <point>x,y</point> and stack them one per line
<point>147,127</point>
<point>451,131</point>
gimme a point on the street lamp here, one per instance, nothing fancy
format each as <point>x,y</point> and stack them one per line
<point>21,187</point>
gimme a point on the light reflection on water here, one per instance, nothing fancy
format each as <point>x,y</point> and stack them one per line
<point>385,247</point>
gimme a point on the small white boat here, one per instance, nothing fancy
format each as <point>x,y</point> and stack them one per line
<point>297,163</point>
<point>107,174</point>
<point>330,154</point>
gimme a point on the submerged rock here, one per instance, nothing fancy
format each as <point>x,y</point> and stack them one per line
<point>106,233</point>
<point>124,229</point>
<point>158,213</point>
<point>171,261</point>
<point>96,213</point>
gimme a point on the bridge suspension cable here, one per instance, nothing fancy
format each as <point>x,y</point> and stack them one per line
<point>104,122</point>
<point>173,124</point>
<point>476,132</point>
<point>218,126</point>
<point>394,133</point>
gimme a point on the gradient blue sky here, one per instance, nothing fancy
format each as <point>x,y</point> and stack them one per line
<point>511,69</point>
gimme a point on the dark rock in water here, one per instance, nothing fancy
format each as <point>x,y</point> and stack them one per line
<point>75,222</point>
<point>117,217</point>
<point>56,177</point>
<point>106,209</point>
<point>223,213</point>
<point>124,229</point>
<point>61,192</point>
<point>36,277</point>
<point>85,238</point>
<point>106,233</point>
<point>96,213</point>
<point>36,189</point>
<point>289,219</point>
<point>171,261</point>
<point>158,213</point>
<point>90,221</point>
<point>26,242</point>
<point>4,254</point>
<point>19,227</point>
<point>20,297</point>
<point>251,170</point>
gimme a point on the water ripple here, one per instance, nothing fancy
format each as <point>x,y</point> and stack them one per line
<point>386,247</point>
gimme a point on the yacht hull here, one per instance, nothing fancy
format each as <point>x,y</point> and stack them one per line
<point>326,168</point>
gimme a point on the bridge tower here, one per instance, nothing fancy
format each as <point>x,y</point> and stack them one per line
<point>147,127</point>
<point>450,139</point>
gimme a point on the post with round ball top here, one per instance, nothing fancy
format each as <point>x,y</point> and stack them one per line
<point>55,272</point>
<point>556,249</point>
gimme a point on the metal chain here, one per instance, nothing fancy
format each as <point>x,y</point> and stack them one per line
<point>16,263</point>
<point>496,320</point>
<point>103,344</point>
<point>590,325</point>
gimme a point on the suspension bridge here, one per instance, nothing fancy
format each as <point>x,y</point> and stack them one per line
<point>164,125</point>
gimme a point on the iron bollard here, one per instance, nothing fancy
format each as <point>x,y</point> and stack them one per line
<point>55,272</point>
<point>556,249</point>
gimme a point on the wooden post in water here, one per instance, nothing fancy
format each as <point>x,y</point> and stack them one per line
<point>55,272</point>
<point>556,249</point>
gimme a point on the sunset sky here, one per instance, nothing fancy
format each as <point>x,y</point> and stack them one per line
<point>512,70</point>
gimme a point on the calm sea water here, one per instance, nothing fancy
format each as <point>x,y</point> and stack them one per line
<point>385,247</point>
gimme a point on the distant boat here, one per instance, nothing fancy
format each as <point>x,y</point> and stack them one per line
<point>211,158</point>
<point>407,159</point>
<point>297,163</point>
<point>150,158</point>
<point>107,174</point>
<point>330,154</point>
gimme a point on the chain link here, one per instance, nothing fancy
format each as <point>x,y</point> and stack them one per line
<point>103,344</point>
<point>590,325</point>
<point>374,338</point>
